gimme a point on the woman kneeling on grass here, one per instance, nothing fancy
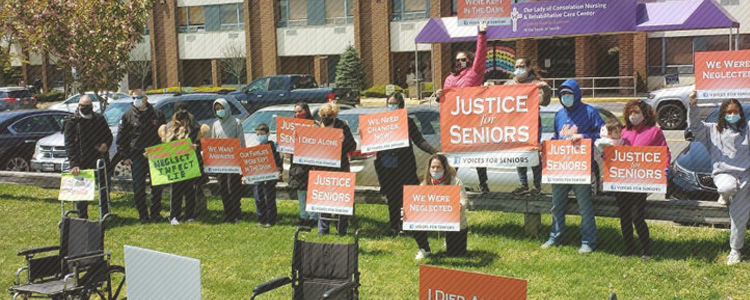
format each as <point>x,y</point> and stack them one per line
<point>728,143</point>
<point>439,172</point>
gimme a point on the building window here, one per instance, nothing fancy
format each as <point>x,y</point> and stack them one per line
<point>339,12</point>
<point>292,13</point>
<point>730,2</point>
<point>410,9</point>
<point>192,19</point>
<point>231,16</point>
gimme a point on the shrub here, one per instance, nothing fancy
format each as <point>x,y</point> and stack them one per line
<point>50,97</point>
<point>378,91</point>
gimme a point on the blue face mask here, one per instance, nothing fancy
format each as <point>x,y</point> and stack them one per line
<point>392,107</point>
<point>732,119</point>
<point>221,113</point>
<point>567,100</point>
<point>262,138</point>
<point>436,175</point>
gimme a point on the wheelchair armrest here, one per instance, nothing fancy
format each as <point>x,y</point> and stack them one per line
<point>37,250</point>
<point>270,285</point>
<point>88,255</point>
<point>335,292</point>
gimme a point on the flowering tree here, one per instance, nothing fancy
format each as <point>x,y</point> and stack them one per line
<point>93,36</point>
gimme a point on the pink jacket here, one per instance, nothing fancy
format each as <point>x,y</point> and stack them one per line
<point>473,76</point>
<point>645,136</point>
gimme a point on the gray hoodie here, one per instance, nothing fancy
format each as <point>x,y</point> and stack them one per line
<point>729,150</point>
<point>228,127</point>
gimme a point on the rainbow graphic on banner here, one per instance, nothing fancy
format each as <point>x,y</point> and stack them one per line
<point>501,58</point>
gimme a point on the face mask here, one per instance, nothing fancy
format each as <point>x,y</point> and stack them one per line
<point>636,119</point>
<point>521,73</point>
<point>732,119</point>
<point>436,175</point>
<point>87,109</point>
<point>300,115</point>
<point>138,102</point>
<point>392,107</point>
<point>328,121</point>
<point>262,138</point>
<point>221,113</point>
<point>567,100</point>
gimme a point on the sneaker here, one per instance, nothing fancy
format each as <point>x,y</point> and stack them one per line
<point>174,222</point>
<point>267,225</point>
<point>521,190</point>
<point>733,258</point>
<point>485,189</point>
<point>585,249</point>
<point>421,254</point>
<point>534,192</point>
<point>721,200</point>
<point>191,220</point>
<point>645,258</point>
<point>549,244</point>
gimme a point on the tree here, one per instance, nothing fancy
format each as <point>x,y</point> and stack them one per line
<point>94,37</point>
<point>140,65</point>
<point>349,70</point>
<point>233,61</point>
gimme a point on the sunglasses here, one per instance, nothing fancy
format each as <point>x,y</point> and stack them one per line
<point>461,60</point>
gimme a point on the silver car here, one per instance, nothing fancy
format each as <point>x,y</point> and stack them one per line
<point>71,104</point>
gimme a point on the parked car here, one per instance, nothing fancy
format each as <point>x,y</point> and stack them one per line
<point>291,89</point>
<point>16,97</point>
<point>50,151</point>
<point>671,106</point>
<point>71,104</point>
<point>691,170</point>
<point>20,130</point>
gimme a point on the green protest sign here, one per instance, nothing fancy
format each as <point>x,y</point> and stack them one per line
<point>77,188</point>
<point>172,162</point>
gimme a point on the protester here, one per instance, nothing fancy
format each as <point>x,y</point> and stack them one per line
<point>398,167</point>
<point>526,73</point>
<point>265,191</point>
<point>727,143</point>
<point>439,172</point>
<point>230,185</point>
<point>138,130</point>
<point>298,174</point>
<point>329,118</point>
<point>469,72</point>
<point>182,126</point>
<point>575,121</point>
<point>87,140</point>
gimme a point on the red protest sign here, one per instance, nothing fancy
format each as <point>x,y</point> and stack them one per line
<point>331,192</point>
<point>566,162</point>
<point>722,74</point>
<point>494,126</point>
<point>635,169</point>
<point>447,284</point>
<point>220,156</point>
<point>471,12</point>
<point>318,146</point>
<point>432,207</point>
<point>383,131</point>
<point>258,164</point>
<point>285,127</point>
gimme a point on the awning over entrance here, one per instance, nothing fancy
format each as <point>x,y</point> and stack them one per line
<point>576,17</point>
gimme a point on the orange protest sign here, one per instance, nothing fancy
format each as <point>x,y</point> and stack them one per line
<point>285,127</point>
<point>635,169</point>
<point>331,192</point>
<point>722,74</point>
<point>220,156</point>
<point>566,162</point>
<point>383,131</point>
<point>437,283</point>
<point>494,126</point>
<point>318,146</point>
<point>471,12</point>
<point>258,164</point>
<point>432,207</point>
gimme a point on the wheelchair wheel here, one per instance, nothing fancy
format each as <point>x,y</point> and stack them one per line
<point>113,288</point>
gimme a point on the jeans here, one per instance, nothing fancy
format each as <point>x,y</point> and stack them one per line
<point>454,240</point>
<point>632,210</point>
<point>183,190</point>
<point>585,208</point>
<point>265,201</point>
<point>324,226</point>
<point>303,214</point>
<point>140,173</point>
<point>524,179</point>
<point>230,188</point>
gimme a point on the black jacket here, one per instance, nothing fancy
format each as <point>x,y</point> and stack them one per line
<point>139,130</point>
<point>83,138</point>
<point>276,157</point>
<point>406,168</point>
<point>347,146</point>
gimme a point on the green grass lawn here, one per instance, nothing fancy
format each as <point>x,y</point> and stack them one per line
<point>688,262</point>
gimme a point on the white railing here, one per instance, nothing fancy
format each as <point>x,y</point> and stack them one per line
<point>588,84</point>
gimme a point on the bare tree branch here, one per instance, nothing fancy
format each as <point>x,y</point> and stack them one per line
<point>233,60</point>
<point>140,64</point>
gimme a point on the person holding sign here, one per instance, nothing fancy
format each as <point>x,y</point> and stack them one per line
<point>87,139</point>
<point>398,167</point>
<point>575,121</point>
<point>439,172</point>
<point>526,73</point>
<point>329,118</point>
<point>182,126</point>
<point>265,191</point>
<point>469,72</point>
<point>230,185</point>
<point>299,173</point>
<point>727,142</point>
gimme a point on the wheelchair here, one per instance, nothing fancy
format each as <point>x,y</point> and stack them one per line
<point>320,271</point>
<point>79,270</point>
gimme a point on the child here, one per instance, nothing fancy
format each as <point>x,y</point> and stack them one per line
<point>610,135</point>
<point>265,192</point>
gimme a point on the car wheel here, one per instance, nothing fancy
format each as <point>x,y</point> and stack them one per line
<point>17,164</point>
<point>672,116</point>
<point>122,171</point>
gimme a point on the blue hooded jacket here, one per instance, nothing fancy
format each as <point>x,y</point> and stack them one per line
<point>584,118</point>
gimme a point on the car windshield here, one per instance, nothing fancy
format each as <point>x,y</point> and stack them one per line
<point>268,117</point>
<point>714,116</point>
<point>351,120</point>
<point>114,112</point>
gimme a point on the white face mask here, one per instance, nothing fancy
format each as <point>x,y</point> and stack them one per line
<point>138,103</point>
<point>521,73</point>
<point>636,119</point>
